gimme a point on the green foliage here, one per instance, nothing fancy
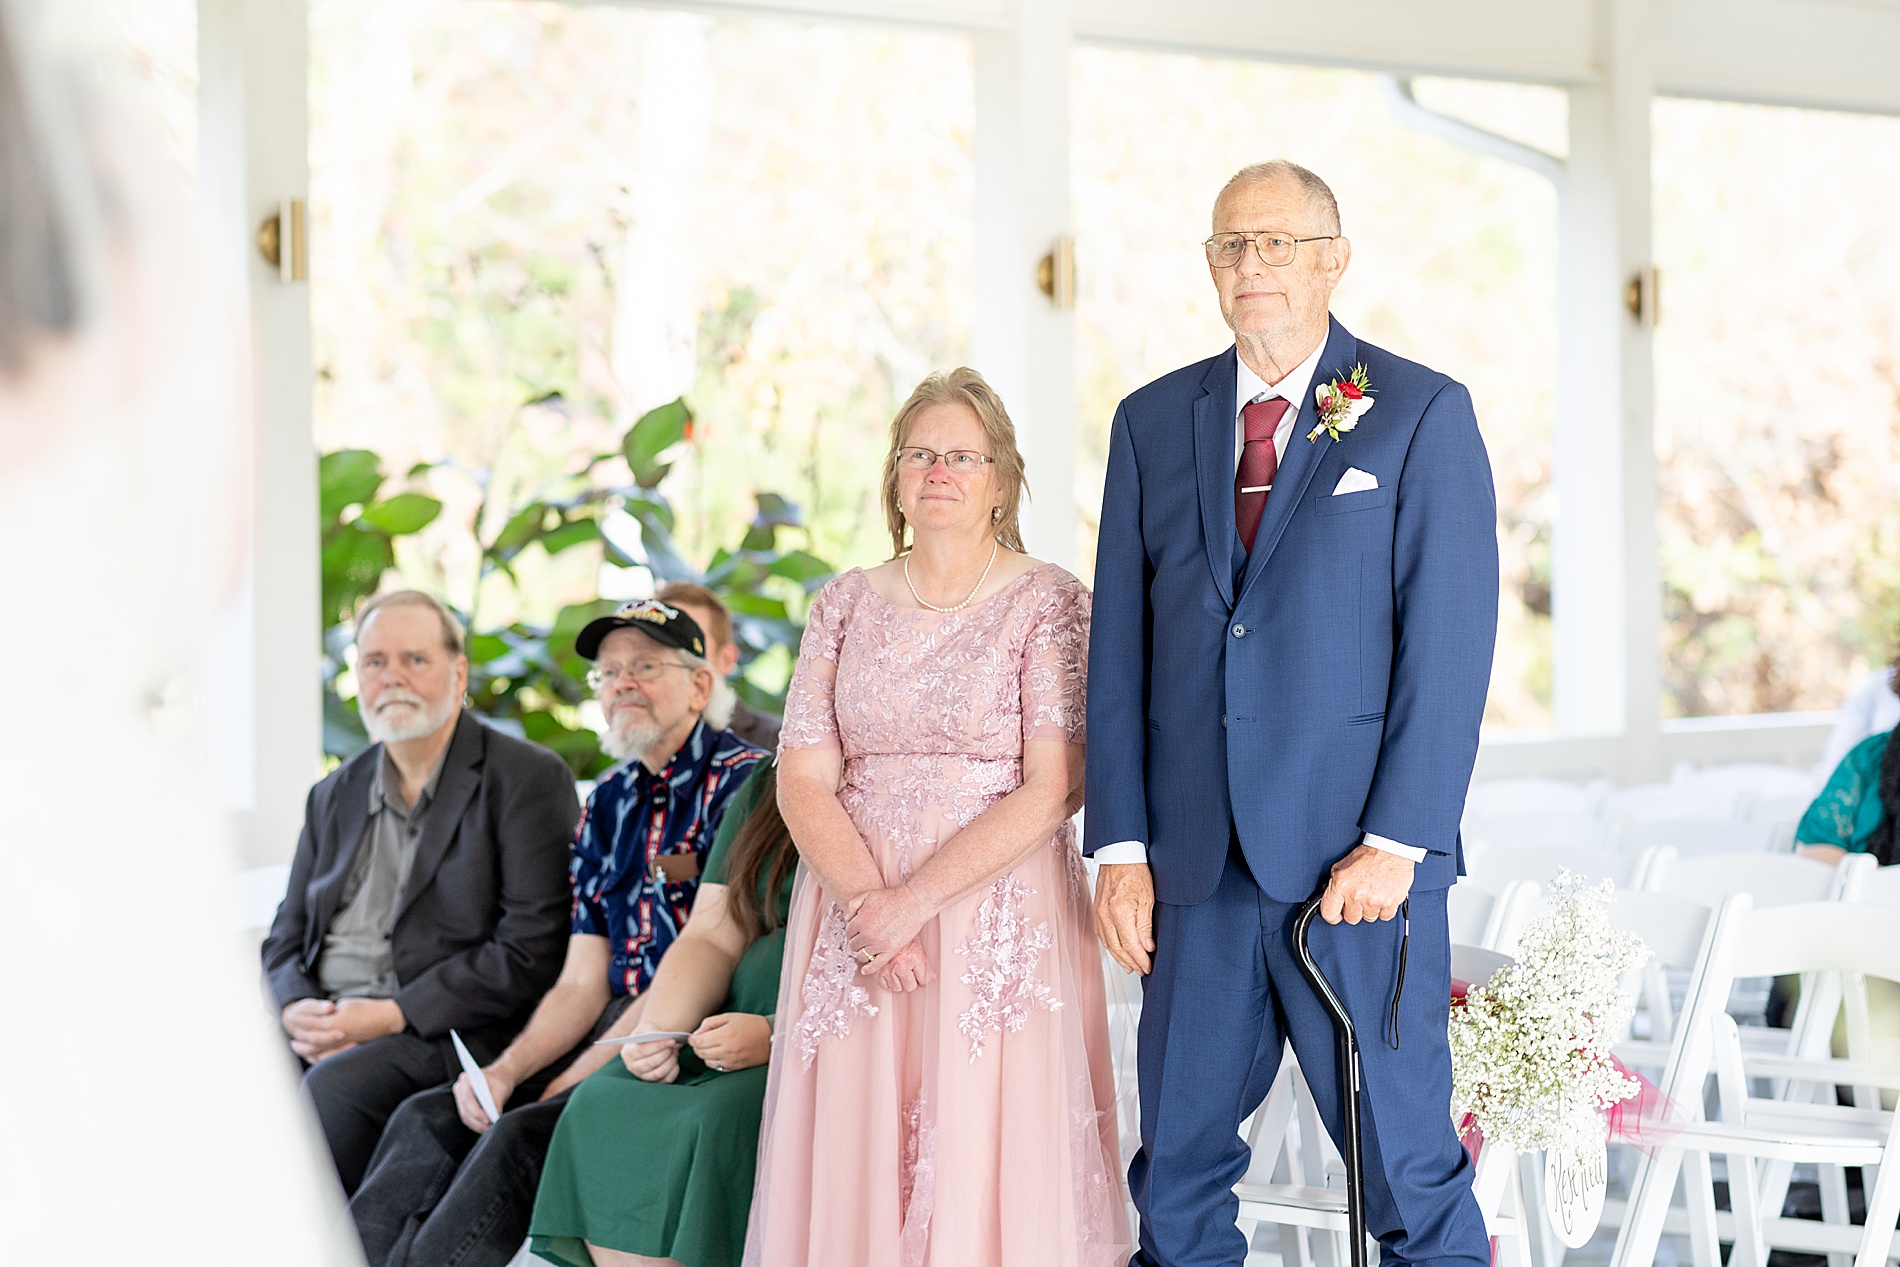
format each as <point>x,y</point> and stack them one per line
<point>527,677</point>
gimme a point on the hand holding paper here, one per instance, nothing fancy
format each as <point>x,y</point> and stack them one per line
<point>477,1080</point>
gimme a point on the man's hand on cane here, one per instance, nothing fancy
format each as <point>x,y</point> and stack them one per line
<point>1124,914</point>
<point>1367,884</point>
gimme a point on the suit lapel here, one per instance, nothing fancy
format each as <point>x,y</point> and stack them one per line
<point>351,816</point>
<point>1302,456</point>
<point>461,777</point>
<point>1214,467</point>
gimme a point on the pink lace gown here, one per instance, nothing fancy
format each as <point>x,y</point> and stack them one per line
<point>970,1123</point>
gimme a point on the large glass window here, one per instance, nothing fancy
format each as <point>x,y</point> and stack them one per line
<point>1777,403</point>
<point>534,221</point>
<point>1454,265</point>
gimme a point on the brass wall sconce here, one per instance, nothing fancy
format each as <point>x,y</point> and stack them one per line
<point>1641,298</point>
<point>284,241</point>
<point>1055,274</point>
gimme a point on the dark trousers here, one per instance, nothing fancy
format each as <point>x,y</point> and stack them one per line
<point>439,1195</point>
<point>1225,993</point>
<point>435,1194</point>
<point>356,1091</point>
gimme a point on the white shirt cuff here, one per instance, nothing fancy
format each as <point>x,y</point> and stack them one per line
<point>1411,852</point>
<point>1121,853</point>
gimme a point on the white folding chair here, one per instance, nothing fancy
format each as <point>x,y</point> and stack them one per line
<point>1495,867</point>
<point>1695,837</point>
<point>1810,937</point>
<point>1771,879</point>
<point>1645,801</point>
<point>1491,920</point>
<point>1508,798</point>
<point>1757,780</point>
<point>1870,882</point>
<point>1295,1179</point>
<point>1549,831</point>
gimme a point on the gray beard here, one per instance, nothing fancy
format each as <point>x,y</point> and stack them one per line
<point>425,720</point>
<point>630,738</point>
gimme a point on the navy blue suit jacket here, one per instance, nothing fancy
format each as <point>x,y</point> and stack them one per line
<point>1327,685</point>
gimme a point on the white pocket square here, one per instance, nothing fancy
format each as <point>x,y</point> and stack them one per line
<point>1355,481</point>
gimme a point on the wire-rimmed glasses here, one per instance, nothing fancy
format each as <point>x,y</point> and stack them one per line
<point>914,457</point>
<point>1275,248</point>
<point>639,671</point>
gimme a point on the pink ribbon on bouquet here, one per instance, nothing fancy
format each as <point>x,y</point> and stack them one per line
<point>1645,1121</point>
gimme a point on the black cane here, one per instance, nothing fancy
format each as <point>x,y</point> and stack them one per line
<point>1347,1045</point>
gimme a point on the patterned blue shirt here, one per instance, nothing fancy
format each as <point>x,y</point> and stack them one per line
<point>635,816</point>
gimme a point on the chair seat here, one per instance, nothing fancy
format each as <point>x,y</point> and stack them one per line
<point>1755,1141</point>
<point>1300,1205</point>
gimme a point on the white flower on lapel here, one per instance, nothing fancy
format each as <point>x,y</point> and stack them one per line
<point>1342,403</point>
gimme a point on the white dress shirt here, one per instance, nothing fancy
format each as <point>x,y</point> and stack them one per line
<point>1250,387</point>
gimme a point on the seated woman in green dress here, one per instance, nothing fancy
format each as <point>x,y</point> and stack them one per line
<point>653,1161</point>
<point>1856,811</point>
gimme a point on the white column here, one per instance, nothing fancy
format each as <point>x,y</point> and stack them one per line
<point>1606,601</point>
<point>266,709</point>
<point>1025,345</point>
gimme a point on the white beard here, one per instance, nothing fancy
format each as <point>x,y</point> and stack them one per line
<point>423,718</point>
<point>631,737</point>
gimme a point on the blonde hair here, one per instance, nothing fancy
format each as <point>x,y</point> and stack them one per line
<point>961,386</point>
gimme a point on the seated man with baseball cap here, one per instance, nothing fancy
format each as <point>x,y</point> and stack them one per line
<point>449,1185</point>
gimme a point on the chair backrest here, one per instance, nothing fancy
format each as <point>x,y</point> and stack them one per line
<point>1669,800</point>
<point>1491,920</point>
<point>1755,779</point>
<point>1532,797</point>
<point>1676,930</point>
<point>1776,879</point>
<point>1474,965</point>
<point>1698,837</point>
<point>1494,867</point>
<point>1870,882</point>
<point>1548,831</point>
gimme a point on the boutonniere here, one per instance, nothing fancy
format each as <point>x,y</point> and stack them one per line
<point>1342,403</point>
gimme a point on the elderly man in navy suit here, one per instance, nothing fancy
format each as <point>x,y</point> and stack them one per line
<point>1295,605</point>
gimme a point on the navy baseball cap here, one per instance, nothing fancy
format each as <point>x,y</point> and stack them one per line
<point>659,621</point>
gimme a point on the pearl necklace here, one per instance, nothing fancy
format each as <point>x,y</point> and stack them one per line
<point>973,589</point>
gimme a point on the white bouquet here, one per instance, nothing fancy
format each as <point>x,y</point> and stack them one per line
<point>1530,1049</point>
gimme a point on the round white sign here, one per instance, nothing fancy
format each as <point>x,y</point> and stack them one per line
<point>1575,1180</point>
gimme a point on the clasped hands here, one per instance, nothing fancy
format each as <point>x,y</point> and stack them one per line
<point>1366,885</point>
<point>726,1042</point>
<point>883,926</point>
<point>319,1028</point>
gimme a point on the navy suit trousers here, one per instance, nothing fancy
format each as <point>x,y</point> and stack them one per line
<point>1225,992</point>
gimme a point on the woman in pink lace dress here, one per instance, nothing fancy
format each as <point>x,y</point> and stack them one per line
<point>941,1093</point>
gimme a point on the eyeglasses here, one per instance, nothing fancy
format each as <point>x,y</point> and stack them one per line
<point>1224,250</point>
<point>640,671</point>
<point>957,461</point>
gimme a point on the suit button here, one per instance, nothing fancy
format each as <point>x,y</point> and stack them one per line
<point>1240,631</point>
<point>1223,719</point>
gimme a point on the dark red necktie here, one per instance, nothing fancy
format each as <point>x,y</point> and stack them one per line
<point>1258,464</point>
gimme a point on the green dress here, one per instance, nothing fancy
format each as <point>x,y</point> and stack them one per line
<point>665,1169</point>
<point>1848,808</point>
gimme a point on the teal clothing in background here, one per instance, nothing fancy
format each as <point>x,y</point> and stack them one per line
<point>1848,809</point>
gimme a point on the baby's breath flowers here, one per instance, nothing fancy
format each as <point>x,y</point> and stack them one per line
<point>1530,1049</point>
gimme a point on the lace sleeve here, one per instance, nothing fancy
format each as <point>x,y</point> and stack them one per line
<point>810,721</point>
<point>1056,664</point>
<point>1833,818</point>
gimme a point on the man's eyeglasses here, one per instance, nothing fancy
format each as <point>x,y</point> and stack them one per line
<point>1224,250</point>
<point>957,461</point>
<point>640,671</point>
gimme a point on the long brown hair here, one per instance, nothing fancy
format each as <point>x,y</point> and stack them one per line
<point>762,846</point>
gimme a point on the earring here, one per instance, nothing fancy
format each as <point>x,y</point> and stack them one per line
<point>996,513</point>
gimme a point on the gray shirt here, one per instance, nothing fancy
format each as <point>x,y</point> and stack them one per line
<point>357,961</point>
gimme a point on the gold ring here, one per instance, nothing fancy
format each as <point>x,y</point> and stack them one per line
<point>865,956</point>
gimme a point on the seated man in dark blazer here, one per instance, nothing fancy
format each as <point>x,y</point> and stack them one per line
<point>429,891</point>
